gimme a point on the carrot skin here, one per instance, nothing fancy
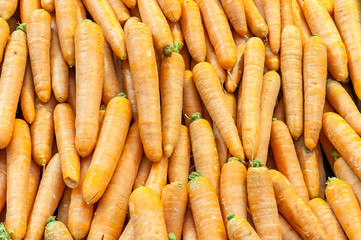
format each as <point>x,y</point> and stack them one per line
<point>111,85</point>
<point>5,31</point>
<point>63,208</point>
<point>34,179</point>
<point>56,230</point>
<point>8,8</point>
<point>3,178</point>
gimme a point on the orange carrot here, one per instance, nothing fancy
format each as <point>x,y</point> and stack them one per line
<point>143,172</point>
<point>72,90</point>
<point>111,86</point>
<point>80,11</point>
<point>48,5</point>
<point>279,112</point>
<point>5,31</point>
<point>89,44</point>
<point>177,35</point>
<point>286,13</point>
<point>129,88</point>
<point>42,131</point>
<point>273,19</point>
<point>27,95</point>
<point>34,178</point>
<point>7,8</point>
<point>239,112</point>
<point>300,22</point>
<point>211,58</point>
<point>186,57</point>
<point>157,178</point>
<point>222,150</point>
<point>130,4</point>
<point>287,230</point>
<point>3,177</point>
<point>320,22</point>
<point>13,24</point>
<point>146,85</point>
<point>189,228</point>
<point>63,208</point>
<point>255,21</point>
<point>56,230</point>
<point>12,75</point>
<point>239,229</point>
<point>51,189</point>
<point>191,100</point>
<point>171,9</point>
<point>120,10</point>
<point>236,15</point>
<point>272,61</point>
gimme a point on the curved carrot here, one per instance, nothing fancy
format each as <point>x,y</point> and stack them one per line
<point>287,230</point>
<point>236,15</point>
<point>219,32</point>
<point>3,177</point>
<point>34,178</point>
<point>320,22</point>
<point>157,178</point>
<point>72,90</point>
<point>202,195</point>
<point>300,22</point>
<point>191,99</point>
<point>272,61</point>
<point>211,58</point>
<point>286,158</point>
<point>18,168</point>
<point>239,229</point>
<point>42,131</point>
<point>291,69</point>
<point>273,19</point>
<point>5,31</point>
<point>56,230</point>
<point>111,86</point>
<point>89,44</point>
<point>189,228</point>
<point>345,206</point>
<point>171,9</point>
<point>146,85</point>
<point>63,208</point>
<point>145,167</point>
<point>27,95</point>
<point>12,74</point>
<point>251,95</point>
<point>7,8</point>
<point>255,21</point>
<point>120,10</point>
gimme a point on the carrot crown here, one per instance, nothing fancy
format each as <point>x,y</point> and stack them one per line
<point>331,179</point>
<point>232,159</point>
<point>315,35</point>
<point>177,45</point>
<point>335,154</point>
<point>274,119</point>
<point>122,94</point>
<point>329,80</point>
<point>103,107</point>
<point>230,216</point>
<point>167,51</point>
<point>86,20</point>
<point>196,116</point>
<point>3,234</point>
<point>194,175</point>
<point>22,27</point>
<point>171,236</point>
<point>50,219</point>
<point>257,163</point>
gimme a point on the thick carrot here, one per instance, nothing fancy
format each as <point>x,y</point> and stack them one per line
<point>270,90</point>
<point>72,90</point>
<point>120,10</point>
<point>222,150</point>
<point>146,85</point>
<point>211,58</point>
<point>286,158</point>
<point>321,23</point>
<point>147,213</point>
<point>287,230</point>
<point>157,178</point>
<point>58,68</point>
<point>129,88</point>
<point>272,61</point>
<point>202,195</point>
<point>56,230</point>
<point>348,23</point>
<point>18,160</point>
<point>42,131</point>
<point>327,218</point>
<point>252,81</point>
<point>7,8</point>
<point>189,228</point>
<point>171,9</point>
<point>219,32</point>
<point>171,89</point>
<point>236,15</point>
<point>279,112</point>
<point>3,177</point>
<point>80,213</point>
<point>314,77</point>
<point>295,210</point>
<point>39,40</point>
<point>51,189</point>
<point>12,75</point>
<point>273,19</point>
<point>255,21</point>
<point>80,11</point>
<point>143,172</point>
<point>103,15</point>
<point>205,78</point>
<point>300,22</point>
<point>89,44</point>
<point>231,104</point>
<point>233,189</point>
<point>345,206</point>
<point>291,69</point>
<point>179,161</point>
<point>111,86</point>
<point>239,229</point>
<point>34,179</point>
<point>191,99</point>
<point>63,208</point>
<point>5,31</point>
<point>27,95</point>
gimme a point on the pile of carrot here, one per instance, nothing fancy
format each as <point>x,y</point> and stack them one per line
<point>180,119</point>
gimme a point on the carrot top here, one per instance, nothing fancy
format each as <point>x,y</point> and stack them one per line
<point>167,51</point>
<point>3,234</point>
<point>171,236</point>
<point>22,27</point>
<point>331,179</point>
<point>194,175</point>
<point>196,116</point>
<point>177,46</point>
<point>86,20</point>
<point>335,154</point>
<point>257,163</point>
<point>232,159</point>
<point>274,119</point>
<point>51,219</point>
<point>122,94</point>
<point>103,107</point>
<point>230,216</point>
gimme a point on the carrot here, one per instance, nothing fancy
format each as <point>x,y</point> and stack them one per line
<point>146,85</point>
<point>128,233</point>
<point>273,19</point>
<point>177,35</point>
<point>291,69</point>
<point>12,74</point>
<point>56,230</point>
<point>171,9</point>
<point>231,104</point>
<point>300,22</point>
<point>80,11</point>
<point>211,58</point>
<point>120,10</point>
<point>236,15</point>
<point>191,98</point>
<point>222,150</point>
<point>186,57</point>
<point>80,213</point>
<point>286,158</point>
<point>271,86</point>
<point>296,210</point>
<point>8,8</point>
<point>130,3</point>
<point>189,228</point>
<point>202,195</point>
<point>147,213</point>
<point>345,173</point>
<point>63,208</point>
<point>279,112</point>
<point>89,43</point>
<point>251,92</point>
<point>314,75</point>
<point>157,178</point>
<point>48,5</point>
<point>239,112</point>
<point>286,13</point>
<point>327,149</point>
<point>129,88</point>
<point>179,161</point>
<point>3,176</point>
<point>18,167</point>
<point>111,85</point>
<point>51,189</point>
<point>5,31</point>
<point>72,90</point>
<point>327,218</point>
<point>219,32</point>
<point>143,172</point>
<point>34,178</point>
<point>205,78</point>
<point>13,24</point>
<point>27,95</point>
<point>239,229</point>
<point>287,230</point>
<point>42,131</point>
<point>234,75</point>
<point>348,23</point>
<point>260,7</point>
<point>320,22</point>
<point>171,89</point>
<point>344,204</point>
<point>193,31</point>
<point>272,61</point>
<point>255,21</point>
<point>58,68</point>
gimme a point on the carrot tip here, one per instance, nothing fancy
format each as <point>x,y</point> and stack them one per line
<point>171,236</point>
<point>257,163</point>
<point>331,179</point>
<point>3,234</point>
<point>122,94</point>
<point>335,154</point>
<point>167,51</point>
<point>168,150</point>
<point>194,175</point>
<point>21,27</point>
<point>50,219</point>
<point>230,216</point>
<point>177,45</point>
<point>196,116</point>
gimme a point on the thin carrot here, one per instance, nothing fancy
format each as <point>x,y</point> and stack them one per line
<point>177,35</point>
<point>51,189</point>
<point>63,208</point>
<point>56,230</point>
<point>72,90</point>
<point>143,172</point>
<point>286,158</point>
<point>287,230</point>
<point>5,31</point>
<point>270,89</point>
<point>8,8</point>
<point>202,195</point>
<point>271,162</point>
<point>129,88</point>
<point>27,95</point>
<point>300,22</point>
<point>272,61</point>
<point>157,178</point>
<point>321,23</point>
<point>3,176</point>
<point>42,131</point>
<point>273,19</point>
<point>321,171</point>
<point>34,179</point>
<point>111,86</point>
<point>80,11</point>
<point>12,75</point>
<point>146,85</point>
<point>219,32</point>
<point>239,229</point>
<point>345,206</point>
<point>236,15</point>
<point>189,228</point>
<point>89,44</point>
<point>120,10</point>
<point>286,13</point>
<point>191,99</point>
<point>255,21</point>
<point>279,112</point>
<point>212,58</point>
<point>222,150</point>
<point>130,3</point>
<point>239,112</point>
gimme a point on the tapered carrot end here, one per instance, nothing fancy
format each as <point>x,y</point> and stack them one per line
<point>335,154</point>
<point>257,163</point>
<point>230,216</point>
<point>168,150</point>
<point>4,234</point>
<point>167,51</point>
<point>331,179</point>
<point>171,236</point>
<point>194,175</point>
